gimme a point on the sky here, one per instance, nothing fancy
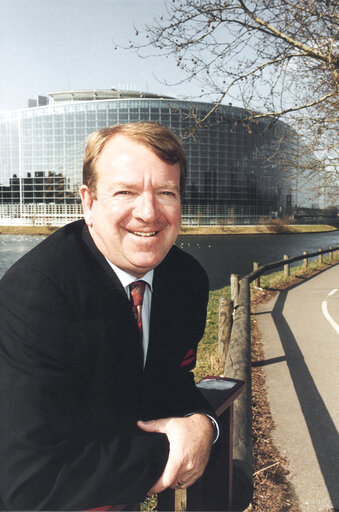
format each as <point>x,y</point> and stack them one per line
<point>57,45</point>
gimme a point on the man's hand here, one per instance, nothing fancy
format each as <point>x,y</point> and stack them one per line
<point>190,441</point>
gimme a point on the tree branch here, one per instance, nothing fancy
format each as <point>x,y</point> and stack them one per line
<point>277,33</point>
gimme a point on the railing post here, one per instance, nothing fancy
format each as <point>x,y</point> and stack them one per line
<point>305,261</point>
<point>320,257</point>
<point>257,279</point>
<point>225,326</point>
<point>235,288</point>
<point>286,267</point>
<point>238,366</point>
<point>180,500</point>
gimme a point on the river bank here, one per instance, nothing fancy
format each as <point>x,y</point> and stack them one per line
<point>258,229</point>
<point>262,229</point>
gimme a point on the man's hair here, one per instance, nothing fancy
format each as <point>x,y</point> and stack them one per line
<point>159,139</point>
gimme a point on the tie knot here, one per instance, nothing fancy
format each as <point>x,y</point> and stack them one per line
<point>137,290</point>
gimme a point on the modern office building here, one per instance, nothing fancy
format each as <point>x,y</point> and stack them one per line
<point>236,169</point>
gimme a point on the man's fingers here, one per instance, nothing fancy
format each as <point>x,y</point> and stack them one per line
<point>173,480</point>
<point>158,487</point>
<point>176,470</point>
<point>152,425</point>
<point>167,479</point>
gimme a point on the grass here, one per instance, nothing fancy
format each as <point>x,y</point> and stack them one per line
<point>296,272</point>
<point>208,360</point>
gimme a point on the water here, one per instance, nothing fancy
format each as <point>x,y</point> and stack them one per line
<point>220,255</point>
<point>12,247</point>
<point>223,255</point>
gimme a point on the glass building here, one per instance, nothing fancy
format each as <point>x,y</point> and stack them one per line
<point>236,171</point>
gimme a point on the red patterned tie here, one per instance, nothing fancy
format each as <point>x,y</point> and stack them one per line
<point>137,290</point>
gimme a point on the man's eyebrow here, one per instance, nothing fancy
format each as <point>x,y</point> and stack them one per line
<point>170,184</point>
<point>124,184</point>
<point>132,184</point>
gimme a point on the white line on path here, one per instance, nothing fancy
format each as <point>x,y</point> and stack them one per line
<point>326,313</point>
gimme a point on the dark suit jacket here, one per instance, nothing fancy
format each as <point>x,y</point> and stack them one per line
<point>72,384</point>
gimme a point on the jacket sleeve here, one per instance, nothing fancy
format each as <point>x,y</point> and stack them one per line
<point>49,460</point>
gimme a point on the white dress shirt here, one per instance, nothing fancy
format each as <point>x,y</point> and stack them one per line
<point>126,279</point>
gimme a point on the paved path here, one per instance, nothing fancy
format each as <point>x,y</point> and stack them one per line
<point>300,332</point>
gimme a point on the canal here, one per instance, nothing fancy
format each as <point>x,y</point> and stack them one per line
<point>220,255</point>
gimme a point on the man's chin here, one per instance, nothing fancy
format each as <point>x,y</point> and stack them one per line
<point>142,266</point>
<point>143,261</point>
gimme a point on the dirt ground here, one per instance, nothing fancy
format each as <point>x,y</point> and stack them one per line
<point>272,491</point>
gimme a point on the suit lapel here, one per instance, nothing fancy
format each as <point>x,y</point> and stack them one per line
<point>161,312</point>
<point>123,320</point>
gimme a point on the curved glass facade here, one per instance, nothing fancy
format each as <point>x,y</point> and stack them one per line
<point>234,176</point>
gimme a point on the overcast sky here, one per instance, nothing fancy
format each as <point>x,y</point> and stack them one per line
<point>56,45</point>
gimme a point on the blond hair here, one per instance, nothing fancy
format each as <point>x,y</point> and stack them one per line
<point>159,139</point>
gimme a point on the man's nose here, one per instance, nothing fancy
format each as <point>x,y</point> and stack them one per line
<point>146,207</point>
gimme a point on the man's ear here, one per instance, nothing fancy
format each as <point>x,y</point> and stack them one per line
<point>87,203</point>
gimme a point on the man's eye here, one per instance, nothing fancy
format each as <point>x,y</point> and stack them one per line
<point>122,193</point>
<point>168,193</point>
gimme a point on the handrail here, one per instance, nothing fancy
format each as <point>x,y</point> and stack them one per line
<point>276,264</point>
<point>238,366</point>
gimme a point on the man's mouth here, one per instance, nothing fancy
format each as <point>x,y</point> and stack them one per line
<point>143,234</point>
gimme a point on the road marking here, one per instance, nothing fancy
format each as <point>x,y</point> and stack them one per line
<point>326,313</point>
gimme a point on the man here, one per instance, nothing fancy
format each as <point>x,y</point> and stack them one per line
<point>98,409</point>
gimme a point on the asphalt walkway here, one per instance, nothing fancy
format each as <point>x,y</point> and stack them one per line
<point>300,334</point>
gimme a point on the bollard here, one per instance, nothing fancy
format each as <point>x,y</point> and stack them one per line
<point>331,253</point>
<point>305,264</point>
<point>286,267</point>
<point>257,280</point>
<point>235,289</point>
<point>225,326</point>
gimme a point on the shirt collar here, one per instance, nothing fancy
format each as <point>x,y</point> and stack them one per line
<point>126,279</point>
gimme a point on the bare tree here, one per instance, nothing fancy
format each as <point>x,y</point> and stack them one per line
<point>279,57</point>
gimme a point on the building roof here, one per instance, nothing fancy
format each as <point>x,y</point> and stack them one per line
<point>100,94</point>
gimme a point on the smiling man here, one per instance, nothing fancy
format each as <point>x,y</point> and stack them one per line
<point>99,330</point>
<point>133,210</point>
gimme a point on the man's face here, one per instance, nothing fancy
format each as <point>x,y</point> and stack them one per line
<point>135,218</point>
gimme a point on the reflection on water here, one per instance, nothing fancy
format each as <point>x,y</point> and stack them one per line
<point>221,255</point>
